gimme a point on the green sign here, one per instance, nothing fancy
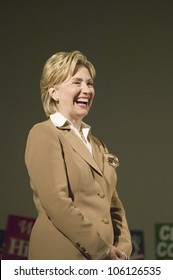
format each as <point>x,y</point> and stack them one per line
<point>164,241</point>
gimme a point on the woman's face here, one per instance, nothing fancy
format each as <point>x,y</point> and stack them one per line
<point>76,95</point>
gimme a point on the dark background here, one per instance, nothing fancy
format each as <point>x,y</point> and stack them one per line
<point>130,42</point>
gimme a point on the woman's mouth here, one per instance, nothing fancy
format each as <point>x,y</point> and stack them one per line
<point>82,102</point>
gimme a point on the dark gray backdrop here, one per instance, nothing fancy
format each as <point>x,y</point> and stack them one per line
<point>130,42</point>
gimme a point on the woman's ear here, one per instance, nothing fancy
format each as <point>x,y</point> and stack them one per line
<point>53,93</point>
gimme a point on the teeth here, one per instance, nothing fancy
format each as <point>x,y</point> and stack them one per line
<point>82,100</point>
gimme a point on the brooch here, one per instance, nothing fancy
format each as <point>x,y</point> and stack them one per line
<point>112,160</point>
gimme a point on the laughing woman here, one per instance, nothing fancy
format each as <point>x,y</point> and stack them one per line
<point>72,174</point>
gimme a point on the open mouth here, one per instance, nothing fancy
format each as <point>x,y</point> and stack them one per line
<point>82,101</point>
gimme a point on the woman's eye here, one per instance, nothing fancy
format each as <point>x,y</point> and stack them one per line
<point>90,84</point>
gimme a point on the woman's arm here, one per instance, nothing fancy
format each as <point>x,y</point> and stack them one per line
<point>122,237</point>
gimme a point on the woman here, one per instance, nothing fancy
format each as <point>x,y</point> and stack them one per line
<point>72,174</point>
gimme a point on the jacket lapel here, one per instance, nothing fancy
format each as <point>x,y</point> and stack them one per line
<point>98,157</point>
<point>81,149</point>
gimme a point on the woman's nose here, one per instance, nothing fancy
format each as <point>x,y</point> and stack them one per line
<point>85,88</point>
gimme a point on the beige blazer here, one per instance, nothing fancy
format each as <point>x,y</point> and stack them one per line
<point>79,212</point>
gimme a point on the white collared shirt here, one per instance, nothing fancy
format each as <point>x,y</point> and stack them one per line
<point>59,120</point>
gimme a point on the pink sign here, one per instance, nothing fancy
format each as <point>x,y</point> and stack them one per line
<point>17,237</point>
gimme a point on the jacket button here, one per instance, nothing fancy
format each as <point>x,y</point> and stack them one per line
<point>102,195</point>
<point>77,244</point>
<point>106,221</point>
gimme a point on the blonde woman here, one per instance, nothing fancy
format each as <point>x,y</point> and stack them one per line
<point>72,174</point>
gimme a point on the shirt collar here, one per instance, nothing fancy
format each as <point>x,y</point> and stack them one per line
<point>59,120</point>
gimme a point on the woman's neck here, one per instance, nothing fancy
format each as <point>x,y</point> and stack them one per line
<point>77,124</point>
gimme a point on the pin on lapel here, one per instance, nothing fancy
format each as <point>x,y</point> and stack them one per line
<point>111,159</point>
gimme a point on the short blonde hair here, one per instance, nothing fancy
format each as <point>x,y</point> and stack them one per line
<point>57,69</point>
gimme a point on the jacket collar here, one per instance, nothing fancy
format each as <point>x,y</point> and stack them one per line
<point>60,121</point>
<point>80,148</point>
<point>64,125</point>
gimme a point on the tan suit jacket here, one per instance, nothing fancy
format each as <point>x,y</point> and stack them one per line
<point>79,212</point>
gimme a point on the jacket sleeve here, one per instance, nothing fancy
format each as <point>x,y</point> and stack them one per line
<point>46,169</point>
<point>122,237</point>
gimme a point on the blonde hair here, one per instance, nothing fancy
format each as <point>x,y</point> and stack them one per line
<point>57,69</point>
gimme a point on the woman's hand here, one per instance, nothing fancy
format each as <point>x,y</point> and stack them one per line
<point>116,254</point>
